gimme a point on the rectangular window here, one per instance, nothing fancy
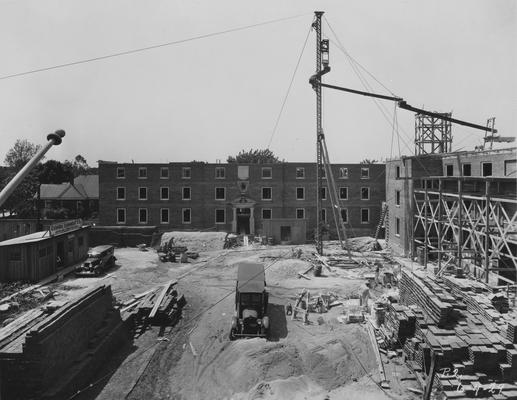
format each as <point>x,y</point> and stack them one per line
<point>323,173</point>
<point>142,193</point>
<point>344,215</point>
<point>164,193</point>
<point>323,215</point>
<point>164,173</point>
<point>121,172</point>
<point>466,169</point>
<point>267,193</point>
<point>343,193</point>
<point>300,213</point>
<point>121,215</point>
<point>323,193</point>
<point>300,193</point>
<point>220,173</point>
<point>343,173</point>
<point>300,173</point>
<point>164,215</point>
<point>397,197</point>
<point>510,167</point>
<point>185,193</point>
<point>486,168</point>
<point>186,172</point>
<point>365,215</point>
<point>243,172</point>
<point>121,193</point>
<point>365,193</point>
<point>186,215</point>
<point>365,173</point>
<point>142,172</point>
<point>397,226</point>
<point>220,193</point>
<point>220,216</point>
<point>397,171</point>
<point>142,215</point>
<point>449,170</point>
<point>266,213</point>
<point>267,173</point>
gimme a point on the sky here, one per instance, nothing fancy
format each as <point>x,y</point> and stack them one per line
<point>210,98</point>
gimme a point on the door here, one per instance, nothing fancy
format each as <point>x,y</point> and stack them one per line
<point>243,221</point>
<point>285,233</point>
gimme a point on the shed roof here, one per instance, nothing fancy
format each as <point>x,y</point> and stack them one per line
<point>33,237</point>
<point>251,277</point>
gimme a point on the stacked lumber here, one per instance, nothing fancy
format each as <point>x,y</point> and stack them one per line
<point>161,305</point>
<point>401,321</point>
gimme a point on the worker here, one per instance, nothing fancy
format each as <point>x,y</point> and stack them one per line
<point>365,295</point>
<point>377,271</point>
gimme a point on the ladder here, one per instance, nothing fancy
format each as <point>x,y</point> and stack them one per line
<point>384,213</point>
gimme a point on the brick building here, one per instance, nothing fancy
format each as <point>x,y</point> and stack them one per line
<point>456,209</point>
<point>236,198</point>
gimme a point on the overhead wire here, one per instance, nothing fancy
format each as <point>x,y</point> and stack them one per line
<point>289,87</point>
<point>151,47</point>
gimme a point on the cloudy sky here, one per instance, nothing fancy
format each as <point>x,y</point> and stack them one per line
<point>209,98</point>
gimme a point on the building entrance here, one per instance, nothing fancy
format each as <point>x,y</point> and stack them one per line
<point>243,221</point>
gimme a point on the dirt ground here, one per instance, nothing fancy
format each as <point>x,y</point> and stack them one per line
<point>325,359</point>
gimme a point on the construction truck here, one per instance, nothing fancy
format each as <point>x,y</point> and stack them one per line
<point>251,300</point>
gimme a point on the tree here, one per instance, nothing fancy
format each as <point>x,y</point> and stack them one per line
<point>251,156</point>
<point>55,172</point>
<point>20,154</point>
<point>368,161</point>
<point>80,167</point>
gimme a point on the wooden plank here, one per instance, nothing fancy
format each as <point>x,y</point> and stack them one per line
<point>301,275</point>
<point>160,297</point>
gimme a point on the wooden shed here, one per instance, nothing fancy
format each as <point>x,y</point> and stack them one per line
<point>38,255</point>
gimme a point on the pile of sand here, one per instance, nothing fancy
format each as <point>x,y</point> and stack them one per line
<point>196,241</point>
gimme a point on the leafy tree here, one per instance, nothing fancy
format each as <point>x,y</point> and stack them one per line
<point>20,154</point>
<point>80,167</point>
<point>55,172</point>
<point>251,156</point>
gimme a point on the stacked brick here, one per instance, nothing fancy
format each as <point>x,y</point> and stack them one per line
<point>464,330</point>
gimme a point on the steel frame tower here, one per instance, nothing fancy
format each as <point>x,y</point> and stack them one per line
<point>432,134</point>
<point>319,134</point>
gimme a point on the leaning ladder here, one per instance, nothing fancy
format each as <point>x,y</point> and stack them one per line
<point>384,213</point>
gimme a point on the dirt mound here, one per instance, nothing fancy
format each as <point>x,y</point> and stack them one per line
<point>364,243</point>
<point>196,241</point>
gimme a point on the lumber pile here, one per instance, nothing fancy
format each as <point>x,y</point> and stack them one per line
<point>161,305</point>
<point>401,322</point>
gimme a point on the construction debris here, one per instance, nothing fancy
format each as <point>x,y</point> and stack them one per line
<point>160,306</point>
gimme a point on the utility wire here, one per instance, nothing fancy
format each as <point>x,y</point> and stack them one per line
<point>289,88</point>
<point>152,47</point>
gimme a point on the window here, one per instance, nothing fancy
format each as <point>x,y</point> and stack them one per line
<point>449,170</point>
<point>164,215</point>
<point>365,215</point>
<point>243,172</point>
<point>510,167</point>
<point>186,215</point>
<point>220,216</point>
<point>142,173</point>
<point>466,169</point>
<point>323,193</point>
<point>343,193</point>
<point>323,215</point>
<point>323,173</point>
<point>267,193</point>
<point>164,173</point>
<point>397,226</point>
<point>365,173</point>
<point>266,213</point>
<point>121,172</point>
<point>343,173</point>
<point>142,215</point>
<point>185,193</point>
<point>121,215</point>
<point>397,197</point>
<point>220,193</point>
<point>300,213</point>
<point>164,193</point>
<point>300,173</point>
<point>121,193</point>
<point>397,171</point>
<point>142,193</point>
<point>267,173</point>
<point>300,193</point>
<point>365,193</point>
<point>220,173</point>
<point>344,215</point>
<point>186,172</point>
<point>486,168</point>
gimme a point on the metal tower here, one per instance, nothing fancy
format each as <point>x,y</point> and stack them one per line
<point>432,134</point>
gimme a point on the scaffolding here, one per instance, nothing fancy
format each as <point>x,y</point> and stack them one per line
<point>432,134</point>
<point>467,222</point>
